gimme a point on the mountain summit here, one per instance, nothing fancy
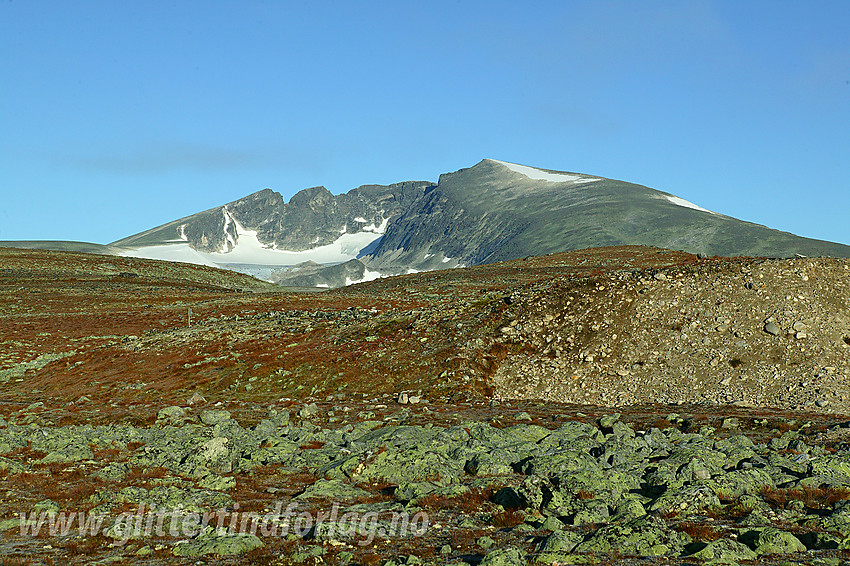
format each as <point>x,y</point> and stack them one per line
<point>492,211</point>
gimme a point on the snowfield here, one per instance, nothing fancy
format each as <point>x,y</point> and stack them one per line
<point>367,276</point>
<point>682,202</point>
<point>247,248</point>
<point>540,175</point>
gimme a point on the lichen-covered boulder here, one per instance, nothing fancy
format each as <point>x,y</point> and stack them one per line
<point>774,541</point>
<point>686,501</point>
<point>213,417</point>
<point>507,557</point>
<point>398,465</point>
<point>557,548</point>
<point>734,484</point>
<point>646,536</point>
<point>218,542</point>
<point>171,415</point>
<point>334,490</point>
<point>724,551</point>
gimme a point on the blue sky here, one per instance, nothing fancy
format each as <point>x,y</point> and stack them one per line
<point>119,116</point>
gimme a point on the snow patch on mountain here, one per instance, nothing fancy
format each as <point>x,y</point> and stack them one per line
<point>682,202</point>
<point>367,276</point>
<point>540,175</point>
<point>246,248</point>
<point>229,242</point>
<point>376,229</point>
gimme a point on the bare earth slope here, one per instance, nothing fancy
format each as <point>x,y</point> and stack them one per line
<point>749,332</point>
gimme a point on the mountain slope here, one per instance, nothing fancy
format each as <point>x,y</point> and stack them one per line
<point>493,211</point>
<point>60,246</point>
<point>263,230</point>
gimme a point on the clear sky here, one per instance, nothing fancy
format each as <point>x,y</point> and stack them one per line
<point>119,116</point>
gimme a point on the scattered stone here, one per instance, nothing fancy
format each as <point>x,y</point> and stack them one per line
<point>9,524</point>
<point>485,542</point>
<point>772,329</point>
<point>172,415</point>
<point>196,399</point>
<point>308,411</point>
<point>608,421</point>
<point>213,417</point>
<point>508,557</point>
<point>218,483</point>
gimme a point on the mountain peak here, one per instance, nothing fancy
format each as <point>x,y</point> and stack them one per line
<point>492,211</point>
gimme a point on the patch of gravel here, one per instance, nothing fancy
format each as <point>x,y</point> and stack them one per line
<point>770,333</point>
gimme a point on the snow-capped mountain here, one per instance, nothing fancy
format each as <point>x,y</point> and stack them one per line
<point>492,211</point>
<point>261,233</point>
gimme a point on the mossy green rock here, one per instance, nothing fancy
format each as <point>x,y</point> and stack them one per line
<point>640,537</point>
<point>736,483</point>
<point>724,551</point>
<point>833,468</point>
<point>218,544</point>
<point>9,524</point>
<point>68,453</point>
<point>686,501</point>
<point>307,553</point>
<point>213,417</point>
<point>171,414</point>
<point>218,483</point>
<point>410,465</point>
<point>774,541</point>
<point>507,557</point>
<point>489,464</point>
<point>169,497</point>
<point>563,463</point>
<point>409,491</point>
<point>628,509</point>
<point>595,511</point>
<point>561,542</point>
<point>332,490</point>
<point>10,466</point>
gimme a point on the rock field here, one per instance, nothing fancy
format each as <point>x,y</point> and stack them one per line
<point>613,406</point>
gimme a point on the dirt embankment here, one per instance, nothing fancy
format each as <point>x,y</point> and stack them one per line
<point>750,332</point>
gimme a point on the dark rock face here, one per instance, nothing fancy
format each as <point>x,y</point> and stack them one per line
<point>489,213</point>
<point>313,217</point>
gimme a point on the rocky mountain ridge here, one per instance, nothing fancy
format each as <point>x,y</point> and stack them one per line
<point>493,211</point>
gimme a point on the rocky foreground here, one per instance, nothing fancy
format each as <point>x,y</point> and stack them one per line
<point>350,481</point>
<point>169,414</point>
